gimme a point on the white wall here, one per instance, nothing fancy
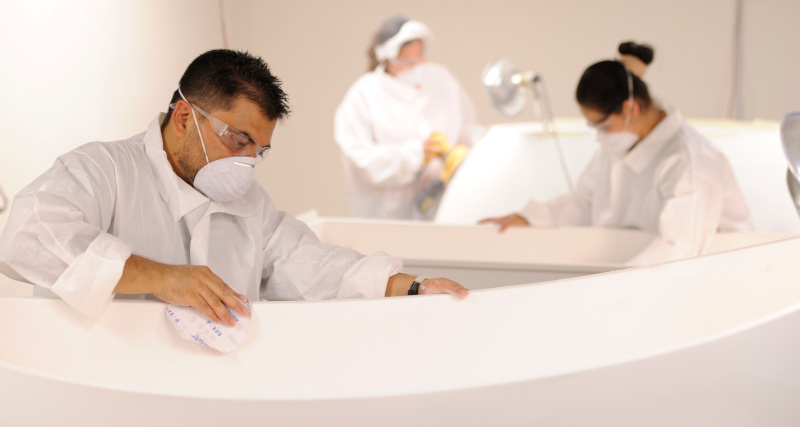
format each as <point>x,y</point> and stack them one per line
<point>319,48</point>
<point>85,70</point>
<point>770,58</point>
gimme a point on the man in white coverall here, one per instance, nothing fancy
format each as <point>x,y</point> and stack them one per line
<point>175,213</point>
<point>396,124</point>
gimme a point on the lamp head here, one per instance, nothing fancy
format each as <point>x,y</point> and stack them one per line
<point>507,87</point>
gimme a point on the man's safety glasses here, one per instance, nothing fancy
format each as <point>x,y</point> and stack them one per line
<point>237,141</point>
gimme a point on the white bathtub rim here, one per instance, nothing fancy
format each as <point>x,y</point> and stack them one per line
<point>602,364</point>
<point>613,362</point>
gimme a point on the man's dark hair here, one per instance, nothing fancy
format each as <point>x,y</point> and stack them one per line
<point>216,78</point>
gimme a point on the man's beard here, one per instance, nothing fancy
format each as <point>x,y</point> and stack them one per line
<point>190,156</point>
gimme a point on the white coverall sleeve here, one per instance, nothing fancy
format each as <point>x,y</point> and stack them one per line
<point>574,208</point>
<point>297,266</point>
<point>56,234</point>
<point>690,216</point>
<point>383,165</point>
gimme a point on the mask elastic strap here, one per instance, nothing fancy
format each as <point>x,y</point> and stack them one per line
<point>630,96</point>
<point>195,123</point>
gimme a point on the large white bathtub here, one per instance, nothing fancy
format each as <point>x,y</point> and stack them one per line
<point>515,162</point>
<point>711,341</point>
<point>479,257</point>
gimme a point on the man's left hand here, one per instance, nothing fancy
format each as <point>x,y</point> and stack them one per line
<point>400,283</point>
<point>442,286</point>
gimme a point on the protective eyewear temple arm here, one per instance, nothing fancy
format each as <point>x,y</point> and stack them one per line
<point>218,125</point>
<point>222,128</point>
<point>599,124</point>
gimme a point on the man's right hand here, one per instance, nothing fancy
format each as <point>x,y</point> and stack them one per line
<point>513,220</point>
<point>187,285</point>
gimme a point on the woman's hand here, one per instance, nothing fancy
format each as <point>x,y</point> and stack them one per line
<point>513,220</point>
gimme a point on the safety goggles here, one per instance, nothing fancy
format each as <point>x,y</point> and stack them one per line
<point>238,142</point>
<point>603,123</point>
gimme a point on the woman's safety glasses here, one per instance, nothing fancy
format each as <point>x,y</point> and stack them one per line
<point>237,142</point>
<point>605,122</point>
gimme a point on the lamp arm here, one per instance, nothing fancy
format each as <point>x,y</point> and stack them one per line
<point>550,126</point>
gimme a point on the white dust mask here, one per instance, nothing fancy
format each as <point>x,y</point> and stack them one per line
<point>415,75</point>
<point>617,143</point>
<point>226,179</point>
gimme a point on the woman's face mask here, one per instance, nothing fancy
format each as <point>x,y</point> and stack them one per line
<point>415,75</point>
<point>618,143</point>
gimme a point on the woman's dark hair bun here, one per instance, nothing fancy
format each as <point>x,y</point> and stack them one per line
<point>641,51</point>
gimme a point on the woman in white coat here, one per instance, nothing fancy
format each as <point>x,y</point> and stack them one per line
<point>652,171</point>
<point>396,123</point>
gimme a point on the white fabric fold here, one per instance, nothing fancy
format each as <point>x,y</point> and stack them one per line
<point>355,284</point>
<point>88,282</point>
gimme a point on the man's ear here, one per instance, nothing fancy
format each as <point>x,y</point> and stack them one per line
<point>181,118</point>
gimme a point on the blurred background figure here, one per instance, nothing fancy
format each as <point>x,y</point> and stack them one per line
<point>652,171</point>
<point>403,128</point>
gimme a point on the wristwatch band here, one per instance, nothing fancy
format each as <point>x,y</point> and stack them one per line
<point>414,290</point>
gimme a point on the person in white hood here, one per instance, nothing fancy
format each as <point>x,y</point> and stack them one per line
<point>652,171</point>
<point>175,212</point>
<point>397,122</point>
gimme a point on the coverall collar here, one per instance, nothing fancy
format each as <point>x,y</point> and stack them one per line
<point>647,150</point>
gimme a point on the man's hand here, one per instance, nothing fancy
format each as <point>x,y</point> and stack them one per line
<point>400,283</point>
<point>442,286</point>
<point>513,220</point>
<point>188,285</point>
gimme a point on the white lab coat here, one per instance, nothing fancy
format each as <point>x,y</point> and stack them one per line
<point>674,183</point>
<point>381,126</point>
<point>73,228</point>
